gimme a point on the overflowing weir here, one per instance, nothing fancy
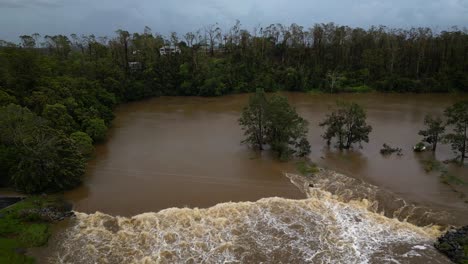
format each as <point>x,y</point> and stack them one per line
<point>342,221</point>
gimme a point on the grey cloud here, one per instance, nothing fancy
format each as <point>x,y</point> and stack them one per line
<point>103,17</point>
<point>30,3</point>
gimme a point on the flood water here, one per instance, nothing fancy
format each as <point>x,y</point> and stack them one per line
<point>185,152</point>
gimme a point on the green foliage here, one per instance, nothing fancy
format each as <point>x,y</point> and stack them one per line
<point>450,179</point>
<point>387,150</point>
<point>274,122</point>
<point>96,129</point>
<point>212,87</point>
<point>59,118</point>
<point>347,124</point>
<point>8,159</point>
<point>6,99</point>
<point>445,176</point>
<point>306,168</point>
<point>285,130</point>
<point>38,157</point>
<point>18,230</point>
<point>419,147</point>
<point>74,82</point>
<point>457,117</point>
<point>358,89</point>
<point>435,129</point>
<point>83,142</point>
<point>253,120</point>
<point>34,235</point>
<point>49,162</point>
<point>8,254</point>
<point>432,165</point>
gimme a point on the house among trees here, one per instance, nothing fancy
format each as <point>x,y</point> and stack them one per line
<point>169,50</point>
<point>134,65</point>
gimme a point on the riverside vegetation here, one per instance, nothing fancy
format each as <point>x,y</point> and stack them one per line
<point>27,224</point>
<point>57,93</point>
<point>65,88</point>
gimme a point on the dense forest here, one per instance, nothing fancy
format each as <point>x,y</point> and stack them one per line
<point>57,93</point>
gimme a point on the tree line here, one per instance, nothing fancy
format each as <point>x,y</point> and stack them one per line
<point>274,123</point>
<point>212,61</point>
<point>57,93</point>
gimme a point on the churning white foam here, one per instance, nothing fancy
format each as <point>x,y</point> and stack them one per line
<point>320,229</point>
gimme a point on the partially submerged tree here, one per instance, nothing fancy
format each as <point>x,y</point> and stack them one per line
<point>433,132</point>
<point>253,120</point>
<point>275,123</point>
<point>347,124</point>
<point>457,117</point>
<point>286,130</point>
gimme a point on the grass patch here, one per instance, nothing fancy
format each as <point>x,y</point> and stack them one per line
<point>451,179</point>
<point>432,165</point>
<point>315,91</point>
<point>9,252</point>
<point>306,168</point>
<point>445,176</point>
<point>358,89</point>
<point>19,230</point>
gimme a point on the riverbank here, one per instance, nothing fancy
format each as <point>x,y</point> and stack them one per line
<point>454,244</point>
<point>26,224</point>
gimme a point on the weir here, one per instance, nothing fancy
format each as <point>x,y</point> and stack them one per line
<point>324,228</point>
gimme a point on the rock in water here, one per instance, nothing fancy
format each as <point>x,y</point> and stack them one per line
<point>454,244</point>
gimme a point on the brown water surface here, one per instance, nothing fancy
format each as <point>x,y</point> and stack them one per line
<point>185,151</point>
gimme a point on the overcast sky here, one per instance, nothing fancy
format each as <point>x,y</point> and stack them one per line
<point>103,17</point>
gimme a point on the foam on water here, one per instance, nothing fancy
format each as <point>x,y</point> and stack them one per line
<point>324,228</point>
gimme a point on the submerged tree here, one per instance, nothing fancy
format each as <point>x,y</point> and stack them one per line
<point>347,124</point>
<point>433,133</point>
<point>457,117</point>
<point>286,130</point>
<point>276,123</point>
<point>253,120</point>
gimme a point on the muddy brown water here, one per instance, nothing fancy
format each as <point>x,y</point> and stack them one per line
<point>165,156</point>
<point>185,151</point>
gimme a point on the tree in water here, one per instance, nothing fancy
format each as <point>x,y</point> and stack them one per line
<point>286,130</point>
<point>275,123</point>
<point>253,120</point>
<point>433,132</point>
<point>347,124</point>
<point>457,117</point>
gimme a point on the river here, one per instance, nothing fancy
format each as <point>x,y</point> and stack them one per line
<point>166,157</point>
